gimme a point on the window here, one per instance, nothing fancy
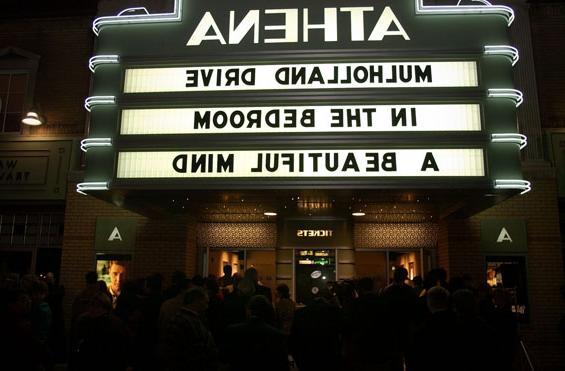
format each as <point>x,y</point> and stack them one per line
<point>31,242</point>
<point>17,81</point>
<point>13,89</point>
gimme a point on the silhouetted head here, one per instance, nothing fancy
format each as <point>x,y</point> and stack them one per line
<point>227,270</point>
<point>260,307</point>
<point>464,302</point>
<point>365,285</point>
<point>196,299</point>
<point>246,287</point>
<point>283,291</point>
<point>212,286</point>
<point>154,282</point>
<point>400,275</point>
<point>91,277</point>
<point>198,280</point>
<point>251,273</point>
<point>438,299</point>
<point>178,278</point>
<point>100,302</point>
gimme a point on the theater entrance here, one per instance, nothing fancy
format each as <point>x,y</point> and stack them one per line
<point>240,260</point>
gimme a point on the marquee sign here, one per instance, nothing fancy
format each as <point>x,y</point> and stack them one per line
<point>223,94</point>
<point>305,163</point>
<point>301,76</point>
<point>303,119</point>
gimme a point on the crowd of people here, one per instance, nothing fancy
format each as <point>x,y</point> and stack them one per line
<point>235,323</point>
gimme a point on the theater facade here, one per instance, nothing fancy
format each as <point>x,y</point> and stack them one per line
<point>317,142</point>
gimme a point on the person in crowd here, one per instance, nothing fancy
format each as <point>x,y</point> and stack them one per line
<point>82,300</point>
<point>485,301</point>
<point>561,326</point>
<point>474,336</point>
<point>152,299</point>
<point>418,285</point>
<point>433,346</point>
<point>367,338</point>
<point>19,349</point>
<point>178,281</point>
<point>226,281</point>
<point>456,283</point>
<point>41,314</point>
<point>214,318</point>
<point>198,280</point>
<point>186,343</point>
<point>402,304</point>
<point>284,308</point>
<point>236,302</point>
<point>315,336</point>
<point>254,344</point>
<point>171,306</point>
<point>118,273</point>
<point>253,275</point>
<point>57,336</point>
<point>101,341</point>
<point>504,322</point>
<point>130,309</point>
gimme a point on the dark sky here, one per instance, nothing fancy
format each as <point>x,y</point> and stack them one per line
<point>18,8</point>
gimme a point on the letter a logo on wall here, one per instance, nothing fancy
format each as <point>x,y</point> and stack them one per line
<point>503,236</point>
<point>115,235</point>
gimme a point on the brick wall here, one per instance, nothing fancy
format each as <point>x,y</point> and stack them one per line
<point>162,244</point>
<point>64,45</point>
<point>459,252</point>
<point>548,30</point>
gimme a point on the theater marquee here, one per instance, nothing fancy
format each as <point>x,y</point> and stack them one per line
<point>250,94</point>
<point>286,119</point>
<point>313,163</point>
<point>301,76</point>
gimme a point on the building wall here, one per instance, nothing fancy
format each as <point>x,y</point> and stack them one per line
<point>548,27</point>
<point>163,245</point>
<point>64,45</point>
<point>459,252</point>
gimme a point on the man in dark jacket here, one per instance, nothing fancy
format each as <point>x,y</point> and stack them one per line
<point>253,275</point>
<point>186,343</point>
<point>255,345</point>
<point>315,337</point>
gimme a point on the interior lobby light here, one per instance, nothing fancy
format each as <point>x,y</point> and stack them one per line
<point>32,118</point>
<point>270,213</point>
<point>358,213</point>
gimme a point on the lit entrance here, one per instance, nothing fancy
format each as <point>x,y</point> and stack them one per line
<point>241,259</point>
